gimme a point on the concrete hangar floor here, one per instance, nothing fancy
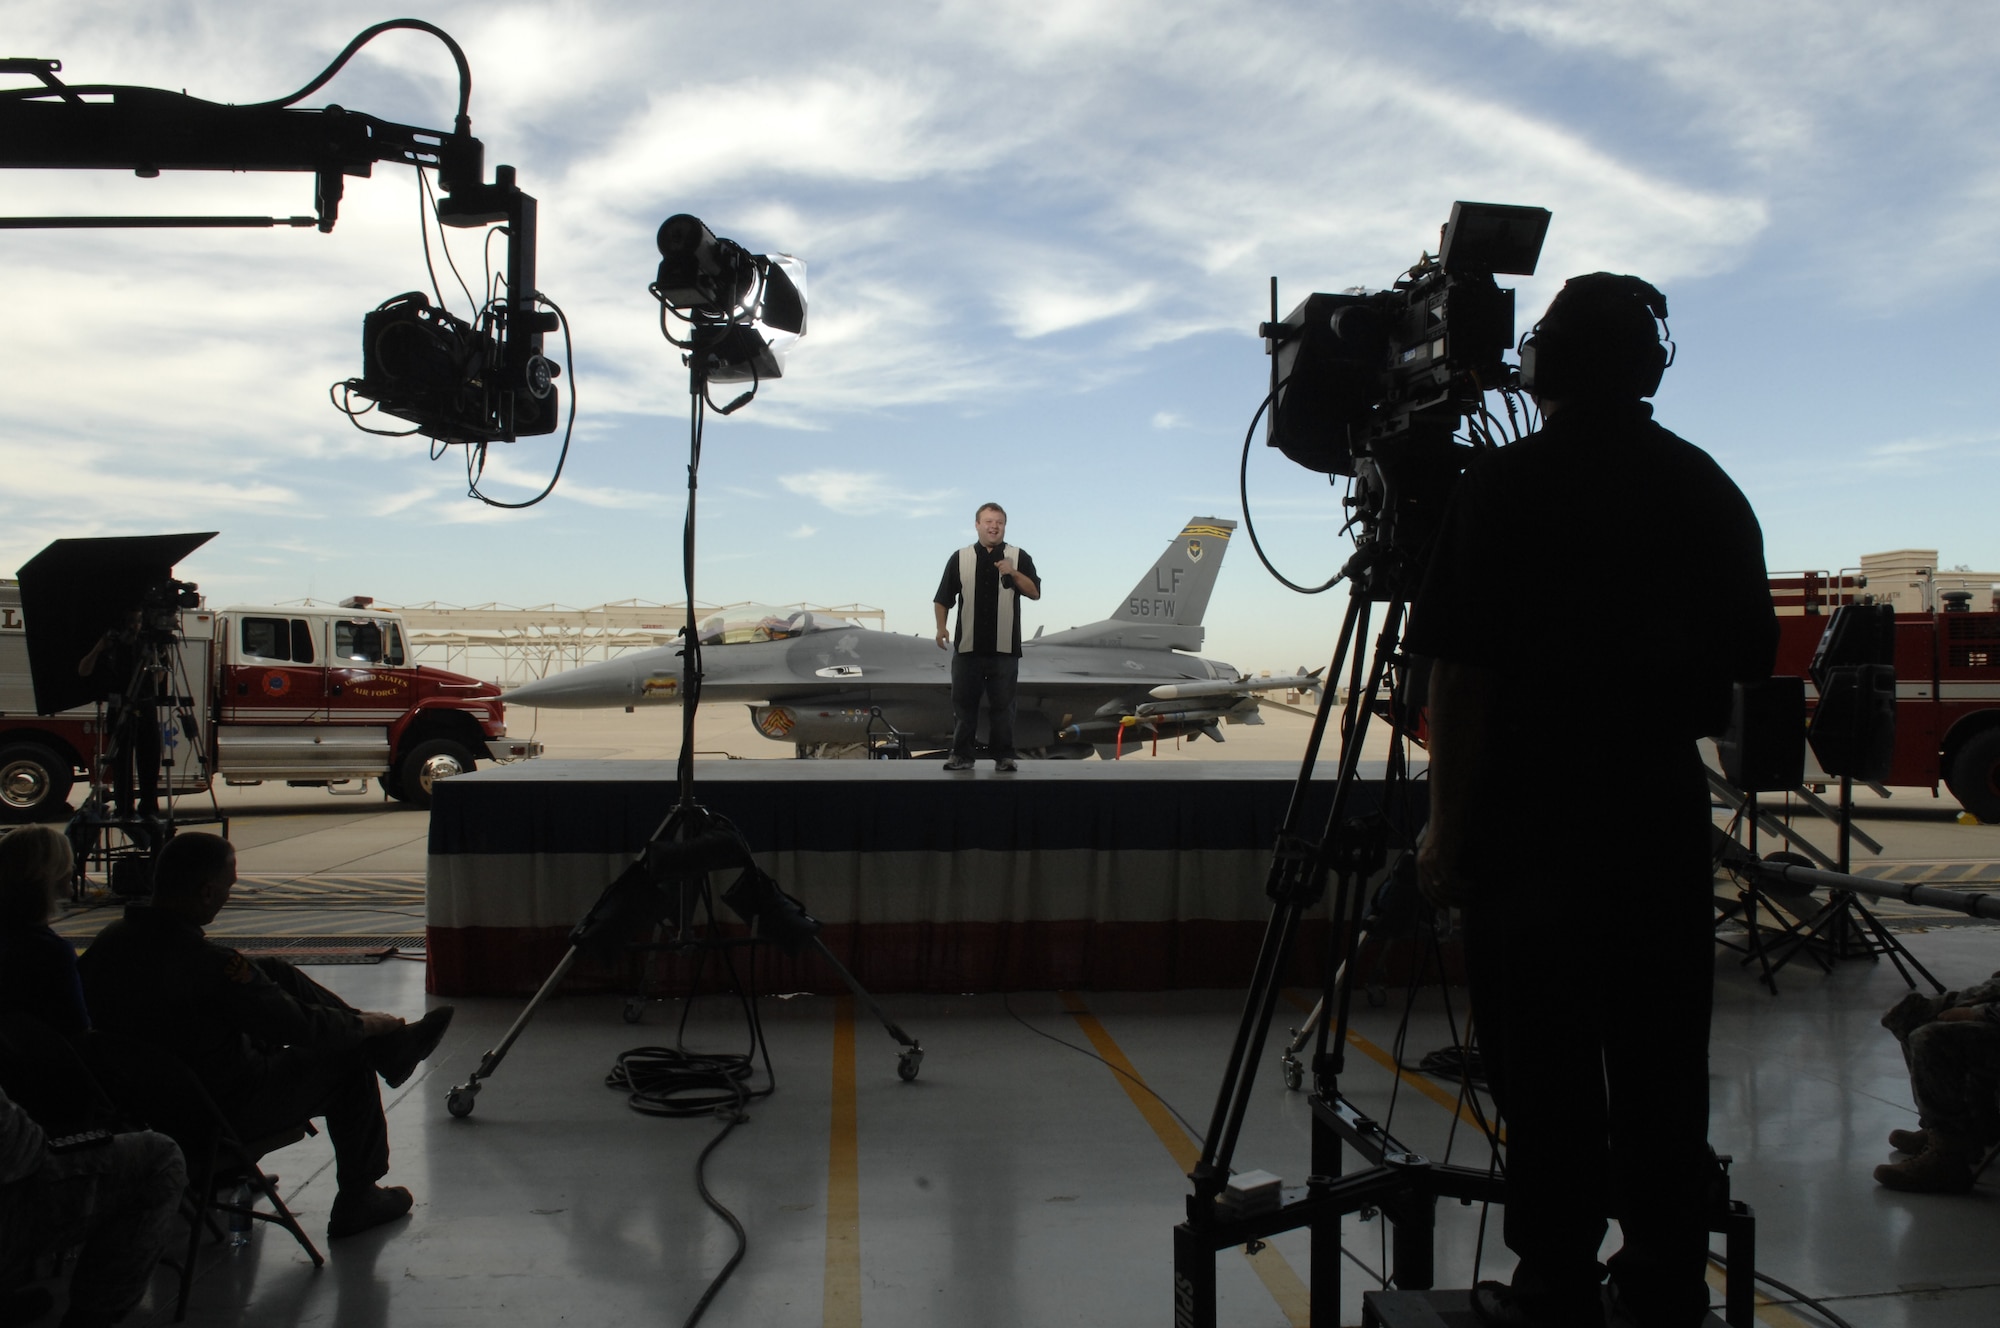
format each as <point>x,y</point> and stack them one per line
<point>1022,1178</point>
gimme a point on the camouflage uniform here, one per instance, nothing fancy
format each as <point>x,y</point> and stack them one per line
<point>117,1200</point>
<point>1954,1067</point>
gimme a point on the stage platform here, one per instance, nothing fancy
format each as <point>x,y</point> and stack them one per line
<point>1080,875</point>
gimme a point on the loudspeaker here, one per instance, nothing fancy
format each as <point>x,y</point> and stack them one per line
<point>1764,750</point>
<point>1853,730</point>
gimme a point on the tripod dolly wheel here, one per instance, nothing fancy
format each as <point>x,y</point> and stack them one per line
<point>1295,1073</point>
<point>635,1010</point>
<point>908,1064</point>
<point>460,1099</point>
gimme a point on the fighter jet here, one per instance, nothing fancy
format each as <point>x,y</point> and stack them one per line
<point>830,686</point>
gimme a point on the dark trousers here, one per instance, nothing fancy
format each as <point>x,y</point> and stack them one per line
<point>336,1083</point>
<point>993,678</point>
<point>1955,1077</point>
<point>134,754</point>
<point>1592,995</point>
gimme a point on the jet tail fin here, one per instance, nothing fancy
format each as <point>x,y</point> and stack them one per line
<point>1165,609</point>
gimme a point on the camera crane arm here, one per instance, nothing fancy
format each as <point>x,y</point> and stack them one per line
<point>148,130</point>
<point>53,125</point>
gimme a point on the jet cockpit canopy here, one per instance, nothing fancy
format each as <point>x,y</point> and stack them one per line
<point>745,623</point>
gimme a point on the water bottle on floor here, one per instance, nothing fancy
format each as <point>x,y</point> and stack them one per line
<point>239,1223</point>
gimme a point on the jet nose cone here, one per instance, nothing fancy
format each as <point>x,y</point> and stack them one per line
<point>579,689</point>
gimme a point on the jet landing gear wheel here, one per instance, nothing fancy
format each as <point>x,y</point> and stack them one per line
<point>426,764</point>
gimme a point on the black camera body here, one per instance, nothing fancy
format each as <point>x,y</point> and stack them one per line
<point>1373,385</point>
<point>449,377</point>
<point>1358,368</point>
<point>160,607</point>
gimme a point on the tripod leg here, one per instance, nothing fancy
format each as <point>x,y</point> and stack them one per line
<point>1295,1070</point>
<point>1895,949</point>
<point>459,1100</point>
<point>912,1058</point>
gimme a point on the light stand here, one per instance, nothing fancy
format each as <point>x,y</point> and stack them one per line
<point>668,884</point>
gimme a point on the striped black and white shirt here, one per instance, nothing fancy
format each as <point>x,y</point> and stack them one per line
<point>983,596</point>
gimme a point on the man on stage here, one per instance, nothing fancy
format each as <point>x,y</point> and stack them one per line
<point>987,580</point>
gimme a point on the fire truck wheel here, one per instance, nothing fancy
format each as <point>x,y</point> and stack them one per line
<point>428,762</point>
<point>1975,776</point>
<point>34,782</point>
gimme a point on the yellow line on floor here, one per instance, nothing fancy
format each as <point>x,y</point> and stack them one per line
<point>1278,1277</point>
<point>840,1306</point>
<point>1767,1311</point>
<point>1424,1084</point>
<point>1185,1152</point>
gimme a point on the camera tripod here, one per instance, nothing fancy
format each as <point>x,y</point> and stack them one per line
<point>133,744</point>
<point>1401,1184</point>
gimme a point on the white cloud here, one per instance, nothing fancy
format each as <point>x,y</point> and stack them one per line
<point>1169,419</point>
<point>805,532</point>
<point>854,493</point>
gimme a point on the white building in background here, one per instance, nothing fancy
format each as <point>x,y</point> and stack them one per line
<point>510,645</point>
<point>1912,581</point>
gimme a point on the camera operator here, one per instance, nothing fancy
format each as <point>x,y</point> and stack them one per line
<point>1587,926</point>
<point>121,664</point>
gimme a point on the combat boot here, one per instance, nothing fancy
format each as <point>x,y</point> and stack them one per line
<point>1910,1141</point>
<point>1946,1167</point>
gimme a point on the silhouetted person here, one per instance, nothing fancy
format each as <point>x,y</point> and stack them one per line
<point>37,967</point>
<point>988,579</point>
<point>1595,590</point>
<point>119,663</point>
<point>271,1046</point>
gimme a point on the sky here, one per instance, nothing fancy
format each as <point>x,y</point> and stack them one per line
<point>1039,240</point>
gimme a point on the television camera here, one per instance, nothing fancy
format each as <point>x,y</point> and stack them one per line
<point>1375,385</point>
<point>160,606</point>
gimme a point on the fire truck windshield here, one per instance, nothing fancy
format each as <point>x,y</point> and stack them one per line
<point>368,641</point>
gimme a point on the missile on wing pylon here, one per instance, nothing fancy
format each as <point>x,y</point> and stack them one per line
<point>1182,691</point>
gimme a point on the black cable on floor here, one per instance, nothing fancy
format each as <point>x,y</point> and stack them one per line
<point>1798,1297</point>
<point>1007,1005</point>
<point>673,1081</point>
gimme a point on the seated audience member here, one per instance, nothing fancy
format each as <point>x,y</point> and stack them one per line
<point>1952,1044</point>
<point>37,967</point>
<point>115,1196</point>
<point>272,1046</point>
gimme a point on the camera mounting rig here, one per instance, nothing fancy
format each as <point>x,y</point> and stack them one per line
<point>456,382</point>
<point>1375,387</point>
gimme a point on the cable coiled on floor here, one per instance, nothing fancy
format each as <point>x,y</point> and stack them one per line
<point>668,1081</point>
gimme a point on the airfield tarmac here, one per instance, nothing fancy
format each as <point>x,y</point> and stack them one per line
<point>1016,1181</point>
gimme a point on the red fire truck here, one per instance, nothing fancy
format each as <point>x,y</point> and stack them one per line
<point>316,697</point>
<point>1947,681</point>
